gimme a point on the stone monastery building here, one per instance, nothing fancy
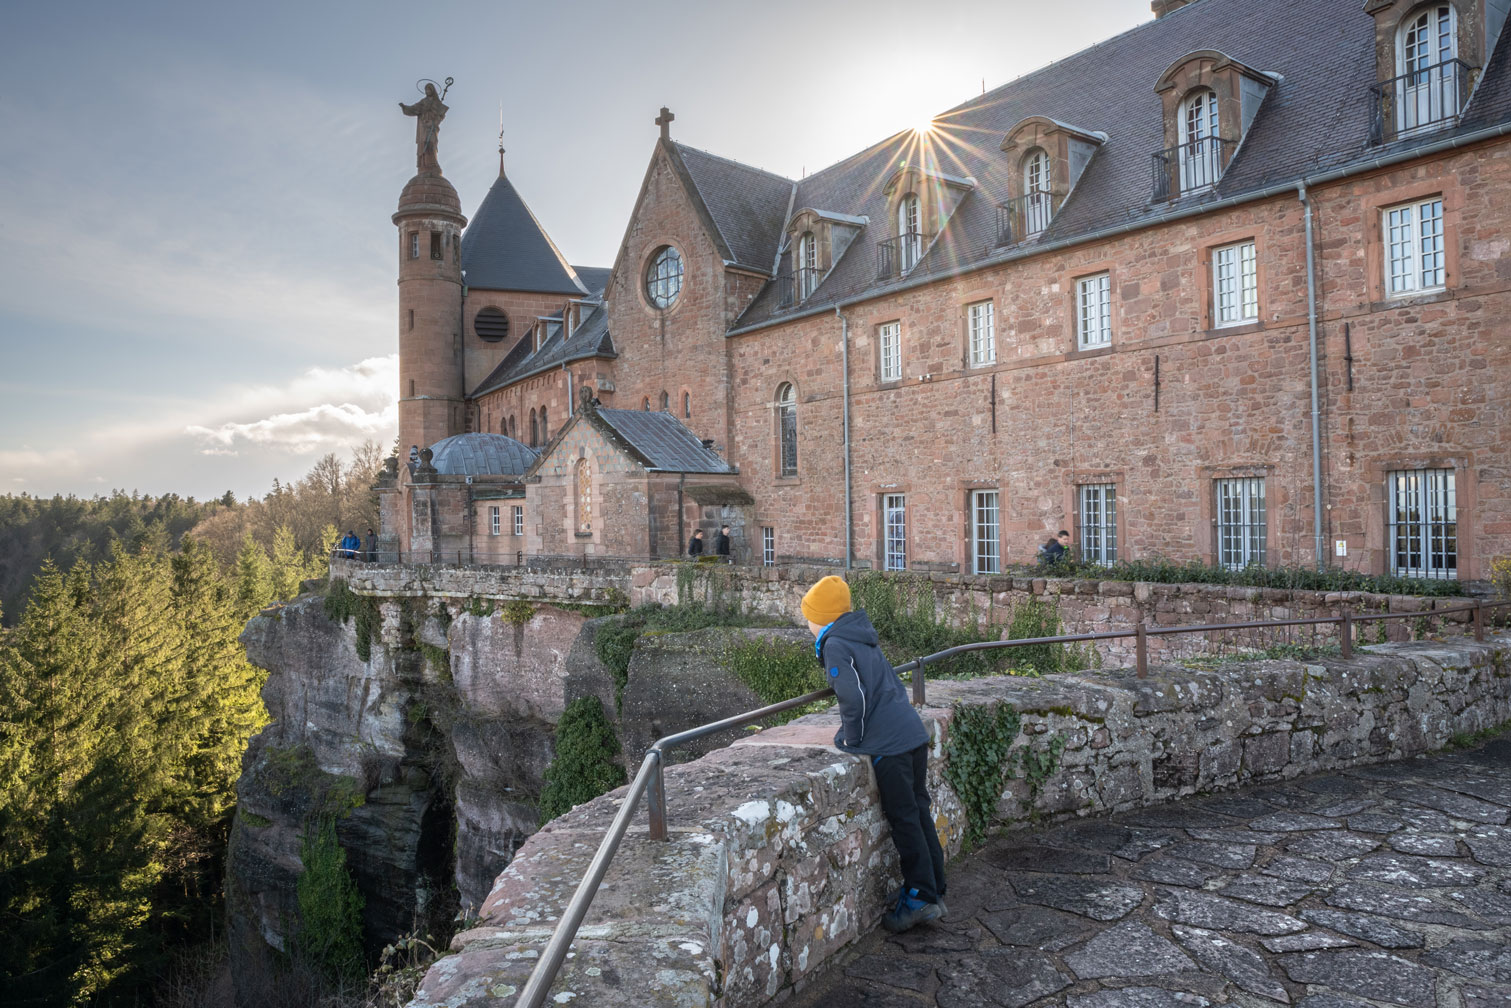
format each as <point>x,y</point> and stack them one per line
<point>1231,286</point>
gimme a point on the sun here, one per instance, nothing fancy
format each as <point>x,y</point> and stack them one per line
<point>924,126</point>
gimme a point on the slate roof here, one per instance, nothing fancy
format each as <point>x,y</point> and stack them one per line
<point>748,206</point>
<point>481,454</point>
<point>662,442</point>
<point>594,278</point>
<point>505,248</point>
<point>1316,119</point>
<point>590,340</point>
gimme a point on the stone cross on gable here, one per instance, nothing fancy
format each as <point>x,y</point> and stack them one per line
<point>664,120</point>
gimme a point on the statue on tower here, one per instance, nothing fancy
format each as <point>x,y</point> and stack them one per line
<point>428,113</point>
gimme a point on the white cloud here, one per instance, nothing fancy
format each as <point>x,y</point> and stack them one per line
<point>321,410</point>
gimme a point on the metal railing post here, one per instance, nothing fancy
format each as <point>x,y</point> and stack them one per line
<point>655,802</point>
<point>1479,620</point>
<point>918,687</point>
<point>1141,650</point>
<point>1346,634</point>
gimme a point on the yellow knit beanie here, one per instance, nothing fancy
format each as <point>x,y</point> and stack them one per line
<point>826,601</point>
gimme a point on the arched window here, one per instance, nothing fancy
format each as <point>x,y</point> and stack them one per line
<point>663,277</point>
<point>534,430</point>
<point>909,231</point>
<point>1425,51</point>
<point>513,431</point>
<point>786,414</point>
<point>1200,151</point>
<point>1037,206</point>
<point>687,405</point>
<point>545,431</point>
<point>807,257</point>
<point>645,404</point>
<point>666,402</point>
<point>584,496</point>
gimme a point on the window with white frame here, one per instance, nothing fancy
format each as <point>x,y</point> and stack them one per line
<point>980,323</point>
<point>1423,527</point>
<point>1037,201</point>
<point>1094,311</point>
<point>1427,93</point>
<point>1235,285</point>
<point>1240,522</point>
<point>808,264</point>
<point>890,336</point>
<point>494,526</point>
<point>768,546</point>
<point>1097,531</point>
<point>519,520</point>
<point>1414,247</point>
<point>786,412</point>
<point>894,514</point>
<point>909,231</point>
<point>986,537</point>
<point>1200,152</point>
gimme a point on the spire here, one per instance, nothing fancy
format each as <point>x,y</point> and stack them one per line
<point>500,138</point>
<point>664,120</point>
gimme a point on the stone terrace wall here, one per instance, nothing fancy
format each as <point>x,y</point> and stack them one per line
<point>1085,606</point>
<point>779,855</point>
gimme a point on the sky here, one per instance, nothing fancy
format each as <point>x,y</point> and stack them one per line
<point>197,266</point>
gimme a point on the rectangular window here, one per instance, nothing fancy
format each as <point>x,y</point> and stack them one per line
<point>985,534</point>
<point>1098,529</point>
<point>1423,532</point>
<point>1235,285</point>
<point>519,520</point>
<point>1414,247</point>
<point>890,335</point>
<point>435,245</point>
<point>983,333</point>
<point>494,525</point>
<point>1094,311</point>
<point>1240,522</point>
<point>768,546</point>
<point>894,511</point>
<point>414,244</point>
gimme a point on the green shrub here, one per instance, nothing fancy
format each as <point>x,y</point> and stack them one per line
<point>1165,571</point>
<point>778,670</point>
<point>976,761</point>
<point>341,604</point>
<point>584,766</point>
<point>330,907</point>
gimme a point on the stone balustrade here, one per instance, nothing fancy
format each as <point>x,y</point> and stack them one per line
<point>779,855</point>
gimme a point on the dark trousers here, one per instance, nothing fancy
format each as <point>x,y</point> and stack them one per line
<point>903,783</point>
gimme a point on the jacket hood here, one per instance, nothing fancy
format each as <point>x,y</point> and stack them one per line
<point>854,626</point>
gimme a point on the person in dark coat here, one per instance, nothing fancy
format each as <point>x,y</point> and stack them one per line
<point>370,553</point>
<point>1055,550</point>
<point>695,544</point>
<point>721,543</point>
<point>877,720</point>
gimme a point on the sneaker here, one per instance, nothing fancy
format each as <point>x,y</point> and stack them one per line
<point>944,911</point>
<point>909,911</point>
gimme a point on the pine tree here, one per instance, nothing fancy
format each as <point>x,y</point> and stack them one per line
<point>288,566</point>
<point>254,582</point>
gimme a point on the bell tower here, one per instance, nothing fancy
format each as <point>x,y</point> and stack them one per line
<point>430,222</point>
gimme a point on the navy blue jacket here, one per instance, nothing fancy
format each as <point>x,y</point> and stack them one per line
<point>876,717</point>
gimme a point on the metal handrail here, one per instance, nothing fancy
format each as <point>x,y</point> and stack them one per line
<point>649,782</point>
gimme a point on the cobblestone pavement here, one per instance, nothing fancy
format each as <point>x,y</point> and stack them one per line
<point>1385,885</point>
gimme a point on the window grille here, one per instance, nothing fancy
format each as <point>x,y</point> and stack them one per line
<point>519,520</point>
<point>894,508</point>
<point>1097,532</point>
<point>1423,532</point>
<point>1094,311</point>
<point>494,526</point>
<point>787,429</point>
<point>1414,247</point>
<point>663,277</point>
<point>986,532</point>
<point>414,244</point>
<point>1240,522</point>
<point>768,546</point>
<point>983,334</point>
<point>890,335</point>
<point>1235,284</point>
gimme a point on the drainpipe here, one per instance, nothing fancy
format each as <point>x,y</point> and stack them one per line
<point>844,345</point>
<point>1311,322</point>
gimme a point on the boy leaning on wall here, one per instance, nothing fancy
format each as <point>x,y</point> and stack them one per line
<point>876,720</point>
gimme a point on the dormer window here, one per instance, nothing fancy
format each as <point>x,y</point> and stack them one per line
<point>909,232</point>
<point>1049,156</point>
<point>920,201</point>
<point>807,271</point>
<point>1428,57</point>
<point>1209,101</point>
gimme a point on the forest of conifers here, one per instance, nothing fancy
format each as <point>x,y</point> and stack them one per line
<point>125,705</point>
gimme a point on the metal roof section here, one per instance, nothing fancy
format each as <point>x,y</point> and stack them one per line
<point>662,442</point>
<point>505,248</point>
<point>480,454</point>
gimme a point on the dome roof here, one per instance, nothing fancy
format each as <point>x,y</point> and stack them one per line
<point>481,455</point>
<point>429,193</point>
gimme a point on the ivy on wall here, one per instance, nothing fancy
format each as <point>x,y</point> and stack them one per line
<point>585,765</point>
<point>980,759</point>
